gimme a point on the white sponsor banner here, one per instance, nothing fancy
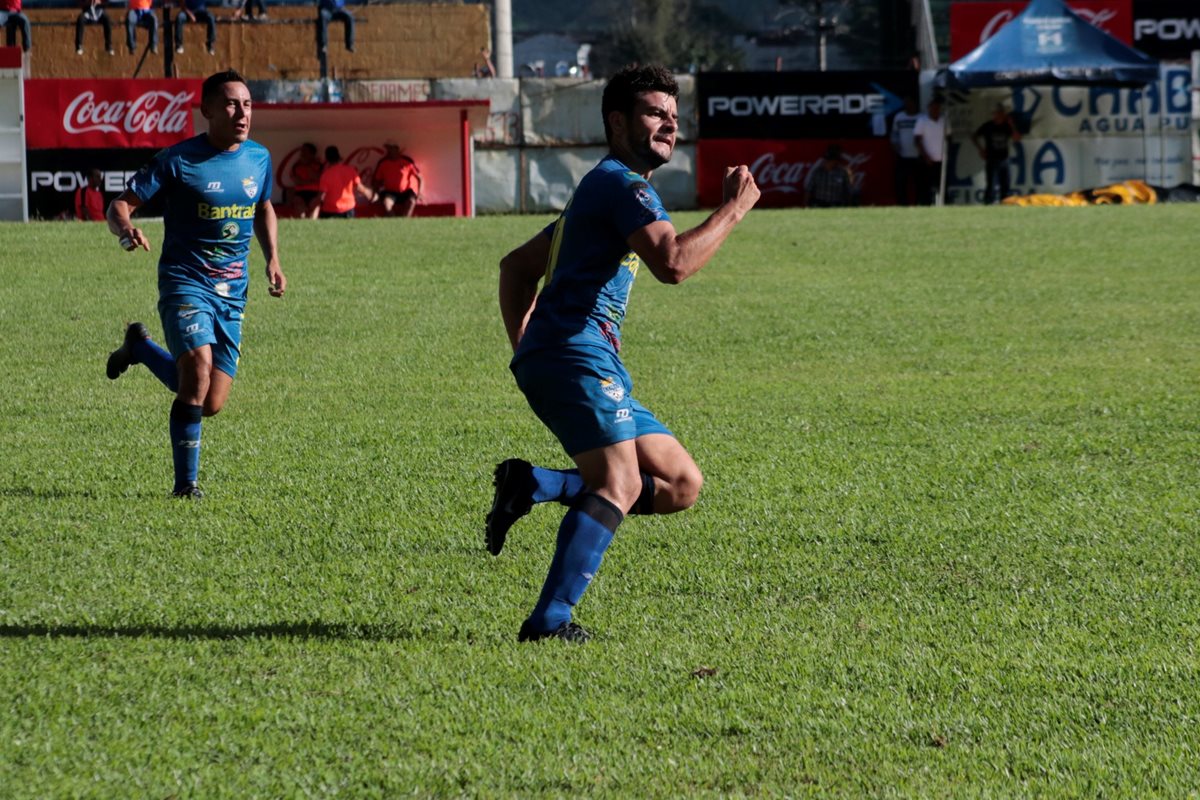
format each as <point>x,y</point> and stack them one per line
<point>1101,111</point>
<point>504,113</point>
<point>552,175</point>
<point>1059,166</point>
<point>566,111</point>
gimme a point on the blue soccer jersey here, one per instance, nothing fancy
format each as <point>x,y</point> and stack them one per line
<point>591,268</point>
<point>211,199</point>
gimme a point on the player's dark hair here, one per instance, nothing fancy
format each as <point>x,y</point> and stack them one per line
<point>623,89</point>
<point>214,82</point>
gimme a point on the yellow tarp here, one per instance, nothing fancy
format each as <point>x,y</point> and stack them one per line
<point>1124,193</point>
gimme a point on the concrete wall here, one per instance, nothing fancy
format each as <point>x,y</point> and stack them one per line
<point>393,41</point>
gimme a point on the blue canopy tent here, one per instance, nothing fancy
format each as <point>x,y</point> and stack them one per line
<point>1049,44</point>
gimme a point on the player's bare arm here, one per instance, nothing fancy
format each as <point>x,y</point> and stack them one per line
<point>120,221</point>
<point>520,272</point>
<point>671,257</point>
<point>266,230</point>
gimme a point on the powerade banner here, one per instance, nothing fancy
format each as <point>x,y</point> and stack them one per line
<point>54,175</point>
<point>780,167</point>
<point>973,23</point>
<point>800,105</point>
<point>109,113</point>
<point>1166,29</point>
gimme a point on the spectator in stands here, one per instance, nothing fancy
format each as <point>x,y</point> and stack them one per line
<point>930,135</point>
<point>327,11</point>
<point>195,11</point>
<point>339,184</point>
<point>908,160</point>
<point>11,18</point>
<point>830,184</point>
<point>92,13</point>
<point>141,14</point>
<point>89,199</point>
<point>306,182</point>
<point>991,139</point>
<point>246,9</point>
<point>484,68</point>
<point>398,181</point>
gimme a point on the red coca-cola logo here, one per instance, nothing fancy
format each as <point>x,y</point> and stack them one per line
<point>786,177</point>
<point>153,112</point>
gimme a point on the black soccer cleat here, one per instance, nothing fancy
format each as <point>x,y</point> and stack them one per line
<point>189,491</point>
<point>569,632</point>
<point>513,480</point>
<point>120,359</point>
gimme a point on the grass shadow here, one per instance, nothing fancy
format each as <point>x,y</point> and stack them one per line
<point>376,632</point>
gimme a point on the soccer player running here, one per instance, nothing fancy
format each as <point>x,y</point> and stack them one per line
<point>218,190</point>
<point>566,342</point>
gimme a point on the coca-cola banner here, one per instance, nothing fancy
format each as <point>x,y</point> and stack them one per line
<point>109,113</point>
<point>800,105</point>
<point>780,167</point>
<point>973,23</point>
<point>1167,29</point>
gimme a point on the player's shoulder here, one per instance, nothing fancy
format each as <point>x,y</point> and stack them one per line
<point>253,149</point>
<point>611,176</point>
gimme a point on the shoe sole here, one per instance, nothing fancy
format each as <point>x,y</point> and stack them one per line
<point>120,359</point>
<point>494,539</point>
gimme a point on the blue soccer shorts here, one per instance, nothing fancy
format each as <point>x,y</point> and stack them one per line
<point>192,321</point>
<point>585,398</point>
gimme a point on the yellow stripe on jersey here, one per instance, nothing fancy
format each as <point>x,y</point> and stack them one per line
<point>556,242</point>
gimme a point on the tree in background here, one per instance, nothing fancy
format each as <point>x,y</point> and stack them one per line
<point>684,35</point>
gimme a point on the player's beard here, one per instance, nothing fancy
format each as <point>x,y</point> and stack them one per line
<point>644,150</point>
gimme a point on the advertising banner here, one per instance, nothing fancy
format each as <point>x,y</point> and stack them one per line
<point>553,173</point>
<point>54,175</point>
<point>800,105</point>
<point>1166,29</point>
<point>109,113</point>
<point>973,23</point>
<point>780,167</point>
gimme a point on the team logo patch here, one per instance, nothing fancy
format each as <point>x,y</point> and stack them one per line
<point>614,390</point>
<point>230,230</point>
<point>250,186</point>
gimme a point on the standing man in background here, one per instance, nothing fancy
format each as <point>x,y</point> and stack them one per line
<point>340,185</point>
<point>89,199</point>
<point>218,190</point>
<point>567,339</point>
<point>930,136</point>
<point>908,159</point>
<point>991,140</point>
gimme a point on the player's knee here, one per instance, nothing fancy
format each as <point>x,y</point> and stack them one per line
<point>685,487</point>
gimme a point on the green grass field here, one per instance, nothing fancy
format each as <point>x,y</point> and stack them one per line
<point>947,547</point>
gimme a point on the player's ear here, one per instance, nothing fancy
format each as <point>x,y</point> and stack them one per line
<point>617,122</point>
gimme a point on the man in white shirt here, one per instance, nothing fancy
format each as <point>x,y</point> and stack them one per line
<point>929,134</point>
<point>908,160</point>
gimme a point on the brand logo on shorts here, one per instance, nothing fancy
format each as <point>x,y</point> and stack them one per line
<point>614,390</point>
<point>251,187</point>
<point>623,415</point>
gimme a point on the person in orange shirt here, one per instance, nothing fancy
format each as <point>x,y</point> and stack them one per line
<point>306,182</point>
<point>398,181</point>
<point>89,200</point>
<point>339,184</point>
<point>141,13</point>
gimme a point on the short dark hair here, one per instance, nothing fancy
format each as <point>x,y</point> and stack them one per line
<point>214,82</point>
<point>623,89</point>
<point>309,147</point>
<point>332,154</point>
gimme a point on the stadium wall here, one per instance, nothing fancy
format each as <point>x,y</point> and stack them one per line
<point>397,41</point>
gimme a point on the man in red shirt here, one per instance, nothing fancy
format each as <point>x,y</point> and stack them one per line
<point>339,184</point>
<point>10,19</point>
<point>306,182</point>
<point>398,181</point>
<point>141,13</point>
<point>89,200</point>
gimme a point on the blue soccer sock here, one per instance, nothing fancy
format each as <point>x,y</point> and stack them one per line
<point>557,485</point>
<point>158,361</point>
<point>185,442</point>
<point>583,536</point>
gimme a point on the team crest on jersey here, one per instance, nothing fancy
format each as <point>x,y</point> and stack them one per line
<point>230,230</point>
<point>614,390</point>
<point>250,186</point>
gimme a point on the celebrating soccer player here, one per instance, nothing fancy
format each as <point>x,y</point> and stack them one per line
<point>567,339</point>
<point>218,193</point>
